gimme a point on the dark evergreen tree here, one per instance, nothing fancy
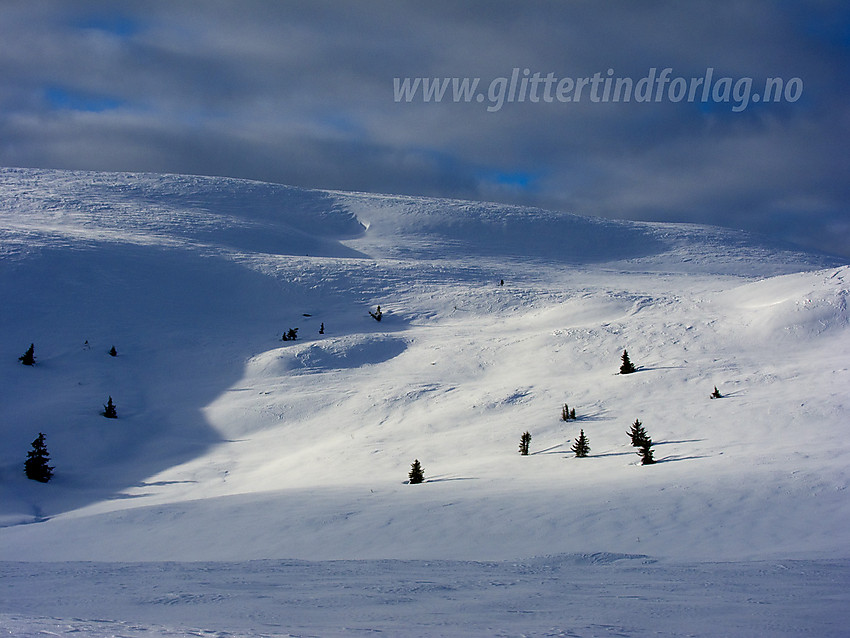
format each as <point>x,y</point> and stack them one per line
<point>322,329</point>
<point>113,352</point>
<point>524,442</point>
<point>377,314</point>
<point>645,452</point>
<point>573,414</point>
<point>638,433</point>
<point>582,446</point>
<point>36,466</point>
<point>290,335</point>
<point>565,413</point>
<point>28,358</point>
<point>416,474</point>
<point>716,394</point>
<point>109,410</point>
<point>627,367</point>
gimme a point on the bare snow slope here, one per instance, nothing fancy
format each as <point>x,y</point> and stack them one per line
<point>232,444</point>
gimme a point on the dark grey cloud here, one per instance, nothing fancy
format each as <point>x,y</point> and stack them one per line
<point>302,93</point>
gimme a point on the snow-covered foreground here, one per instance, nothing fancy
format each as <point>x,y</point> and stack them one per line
<point>232,445</point>
<point>592,595</point>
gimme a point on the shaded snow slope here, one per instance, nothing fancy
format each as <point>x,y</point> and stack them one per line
<point>233,445</point>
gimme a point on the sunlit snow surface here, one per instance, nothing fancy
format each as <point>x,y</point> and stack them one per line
<point>257,487</point>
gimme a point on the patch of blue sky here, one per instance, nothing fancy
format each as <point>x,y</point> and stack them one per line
<point>830,26</point>
<point>517,180</point>
<point>63,99</point>
<point>121,26</point>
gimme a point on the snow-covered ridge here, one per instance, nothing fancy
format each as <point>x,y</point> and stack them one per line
<point>257,217</point>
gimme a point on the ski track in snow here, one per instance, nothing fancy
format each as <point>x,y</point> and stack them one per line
<point>287,460</point>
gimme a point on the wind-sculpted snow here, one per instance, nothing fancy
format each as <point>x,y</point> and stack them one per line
<point>142,208</point>
<point>797,307</point>
<point>443,229</point>
<point>234,445</point>
<point>43,206</point>
<point>353,351</point>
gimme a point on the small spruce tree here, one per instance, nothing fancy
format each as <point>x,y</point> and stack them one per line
<point>627,367</point>
<point>645,452</point>
<point>113,352</point>
<point>36,466</point>
<point>322,329</point>
<point>637,433</point>
<point>573,414</point>
<point>582,446</point>
<point>109,410</point>
<point>28,358</point>
<point>524,442</point>
<point>290,335</point>
<point>416,474</point>
<point>716,394</point>
<point>565,413</point>
<point>377,314</point>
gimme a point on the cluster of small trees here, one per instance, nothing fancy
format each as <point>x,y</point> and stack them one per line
<point>581,446</point>
<point>28,358</point>
<point>567,413</point>
<point>640,440</point>
<point>637,434</point>
<point>292,333</point>
<point>36,466</point>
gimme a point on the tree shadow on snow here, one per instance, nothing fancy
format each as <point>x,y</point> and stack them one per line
<point>555,449</point>
<point>590,416</point>
<point>442,479</point>
<point>729,395</point>
<point>650,368</point>
<point>683,441</point>
<point>598,456</point>
<point>673,459</point>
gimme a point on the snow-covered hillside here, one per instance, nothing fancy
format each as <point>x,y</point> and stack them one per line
<point>232,445</point>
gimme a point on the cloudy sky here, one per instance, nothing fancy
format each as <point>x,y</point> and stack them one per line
<point>312,94</point>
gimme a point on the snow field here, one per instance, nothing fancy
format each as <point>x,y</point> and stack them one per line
<point>234,446</point>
